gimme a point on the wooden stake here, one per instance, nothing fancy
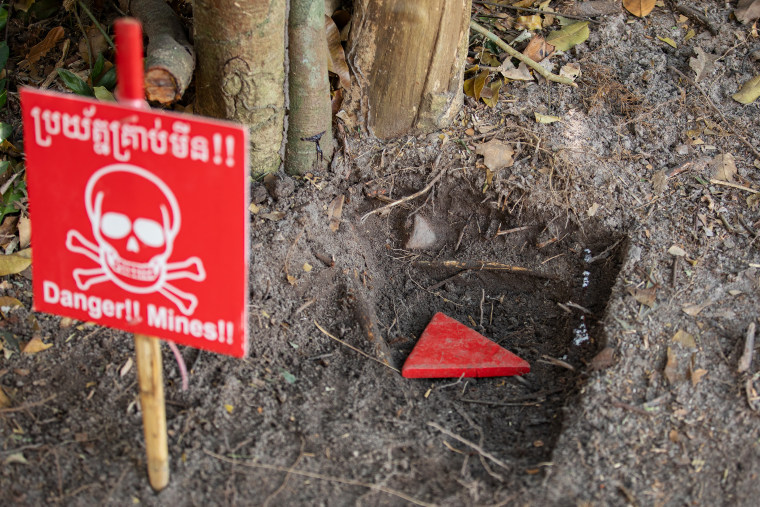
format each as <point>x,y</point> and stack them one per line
<point>150,378</point>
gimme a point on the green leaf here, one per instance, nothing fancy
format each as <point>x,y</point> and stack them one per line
<point>75,83</point>
<point>4,52</point>
<point>569,36</point>
<point>101,93</point>
<point>5,131</point>
<point>108,80</point>
<point>3,17</point>
<point>289,377</point>
<point>750,91</point>
<point>4,166</point>
<point>3,82</point>
<point>3,97</point>
<point>97,69</point>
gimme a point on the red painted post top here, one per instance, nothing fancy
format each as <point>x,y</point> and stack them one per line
<point>449,349</point>
<point>130,70</point>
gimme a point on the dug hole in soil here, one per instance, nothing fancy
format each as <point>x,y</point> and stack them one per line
<point>619,408</point>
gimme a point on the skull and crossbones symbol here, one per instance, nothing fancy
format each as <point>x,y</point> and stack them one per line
<point>135,219</point>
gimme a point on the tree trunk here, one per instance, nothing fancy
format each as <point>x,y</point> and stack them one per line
<point>310,143</point>
<point>408,61</point>
<point>240,46</point>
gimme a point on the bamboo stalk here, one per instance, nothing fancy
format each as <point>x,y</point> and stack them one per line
<point>150,378</point>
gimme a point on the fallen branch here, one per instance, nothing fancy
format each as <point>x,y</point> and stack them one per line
<point>697,16</point>
<point>481,266</point>
<point>312,475</point>
<point>537,11</point>
<point>408,197</point>
<point>170,58</point>
<point>516,54</point>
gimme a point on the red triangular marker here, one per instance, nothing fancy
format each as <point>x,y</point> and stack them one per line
<point>449,349</point>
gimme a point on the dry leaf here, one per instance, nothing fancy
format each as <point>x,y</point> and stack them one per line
<point>749,92</point>
<point>639,8</point>
<point>571,70</point>
<point>747,10</point>
<point>307,267</point>
<point>685,339</point>
<point>644,296</point>
<point>14,263</point>
<point>724,167</point>
<point>274,216</point>
<point>335,211</point>
<point>604,359</point>
<point>693,309</point>
<point>659,182</point>
<point>671,367</point>
<point>229,408</point>
<point>42,48</point>
<point>696,376</point>
<point>292,280</point>
<point>592,210</point>
<point>531,22</point>
<point>5,402</point>
<point>24,232</point>
<point>521,73</point>
<point>677,251</point>
<point>538,49</point>
<point>125,369</point>
<point>7,303</point>
<point>35,345</point>
<point>703,64</point>
<point>670,42</point>
<point>490,93</point>
<point>336,57</point>
<point>497,154</point>
<point>16,458</point>
<point>545,118</point>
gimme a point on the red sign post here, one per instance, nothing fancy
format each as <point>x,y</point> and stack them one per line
<point>140,220</point>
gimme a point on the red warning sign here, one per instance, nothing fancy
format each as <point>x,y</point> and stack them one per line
<point>140,219</point>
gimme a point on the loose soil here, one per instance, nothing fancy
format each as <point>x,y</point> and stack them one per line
<point>614,410</point>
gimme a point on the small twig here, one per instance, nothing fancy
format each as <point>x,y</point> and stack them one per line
<point>734,185</point>
<point>480,266</point>
<point>556,362</point>
<point>515,229</point>
<point>746,225</point>
<point>472,445</point>
<point>537,11</point>
<point>442,282</point>
<point>579,307</point>
<point>720,113</point>
<point>631,408</point>
<point>354,348</point>
<point>606,252</point>
<point>698,16</point>
<point>312,475</point>
<point>87,11</point>
<point>287,475</point>
<point>516,54</point>
<point>749,349</point>
<point>27,406</point>
<point>408,197</point>
<point>305,306</point>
